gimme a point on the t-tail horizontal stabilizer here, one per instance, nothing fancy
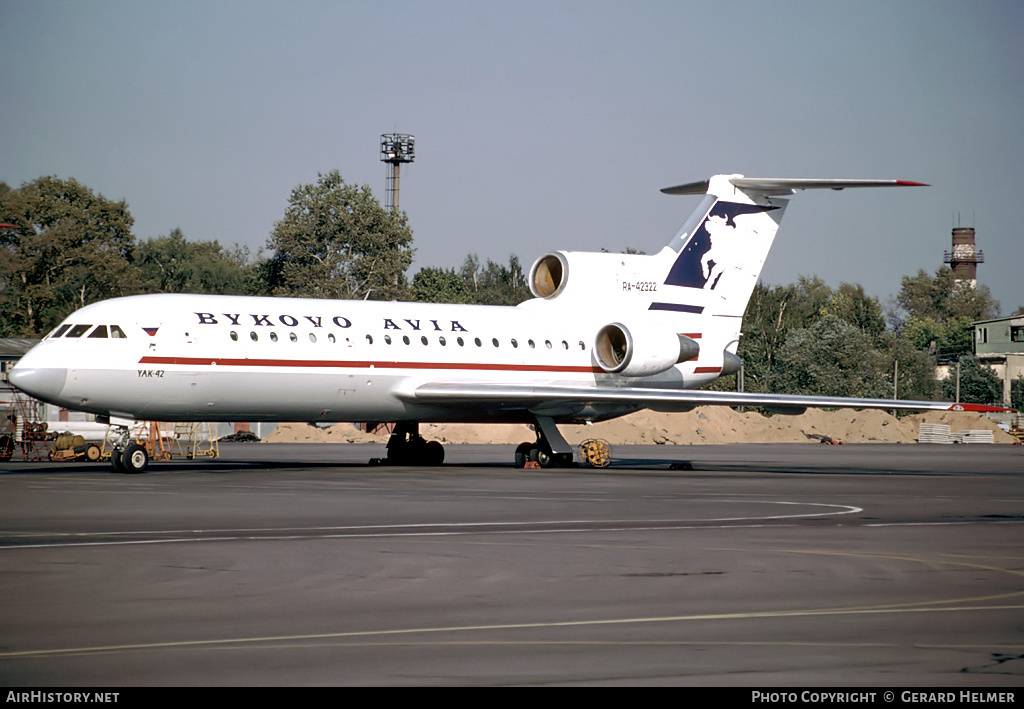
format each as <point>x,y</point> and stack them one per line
<point>783,185</point>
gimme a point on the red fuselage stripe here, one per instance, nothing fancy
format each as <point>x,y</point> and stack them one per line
<point>364,364</point>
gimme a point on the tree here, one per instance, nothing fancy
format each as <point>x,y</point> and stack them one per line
<point>914,368</point>
<point>170,264</point>
<point>853,305</point>
<point>495,284</point>
<point>978,383</point>
<point>436,285</point>
<point>70,247</point>
<point>336,241</point>
<point>831,358</point>
<point>937,312</point>
<point>941,297</point>
<point>950,337</point>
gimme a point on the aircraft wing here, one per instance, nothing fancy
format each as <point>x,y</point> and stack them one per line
<point>537,399</point>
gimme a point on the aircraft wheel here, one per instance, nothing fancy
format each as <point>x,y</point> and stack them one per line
<point>523,454</point>
<point>135,459</point>
<point>433,453</point>
<point>543,457</point>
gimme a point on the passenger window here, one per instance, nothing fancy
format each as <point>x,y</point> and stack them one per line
<point>253,336</point>
<point>460,341</point>
<point>515,344</point>
<point>273,337</point>
<point>531,344</point>
<point>405,339</point>
<point>387,339</point>
<point>423,339</point>
<point>60,330</point>
<point>477,341</point>
<point>331,338</point>
<point>293,337</point>
<point>234,336</point>
<point>78,330</point>
<point>312,337</point>
<point>99,332</point>
<point>369,339</point>
<point>442,341</point>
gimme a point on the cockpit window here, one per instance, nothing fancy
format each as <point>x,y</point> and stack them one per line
<point>60,330</point>
<point>100,331</point>
<point>78,330</point>
<point>117,332</point>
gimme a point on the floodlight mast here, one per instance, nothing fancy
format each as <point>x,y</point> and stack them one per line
<point>395,148</point>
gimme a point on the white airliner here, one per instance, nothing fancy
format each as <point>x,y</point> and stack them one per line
<point>606,335</point>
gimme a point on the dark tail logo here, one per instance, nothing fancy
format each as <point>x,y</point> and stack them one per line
<point>712,249</point>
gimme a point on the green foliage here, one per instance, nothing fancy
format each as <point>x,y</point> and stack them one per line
<point>940,298</point>
<point>1017,393</point>
<point>831,358</point>
<point>953,336</point>
<point>774,312</point>
<point>915,368</point>
<point>494,284</point>
<point>170,264</point>
<point>937,312</point>
<point>978,383</point>
<point>436,285</point>
<point>851,304</point>
<point>336,241</point>
<point>71,247</point>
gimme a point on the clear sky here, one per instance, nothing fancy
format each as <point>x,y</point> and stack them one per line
<point>539,125</point>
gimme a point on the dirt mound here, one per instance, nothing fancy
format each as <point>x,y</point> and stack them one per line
<point>704,425</point>
<point>307,433</point>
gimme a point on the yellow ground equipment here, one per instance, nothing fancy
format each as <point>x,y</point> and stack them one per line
<point>596,453</point>
<point>69,446</point>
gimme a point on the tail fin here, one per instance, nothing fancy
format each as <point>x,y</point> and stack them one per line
<point>709,268</point>
<point>719,252</point>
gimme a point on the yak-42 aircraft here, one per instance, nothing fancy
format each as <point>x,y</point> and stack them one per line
<point>605,335</point>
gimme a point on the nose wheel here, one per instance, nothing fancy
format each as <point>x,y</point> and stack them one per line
<point>127,455</point>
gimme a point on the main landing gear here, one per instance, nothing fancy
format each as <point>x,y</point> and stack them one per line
<point>407,447</point>
<point>549,450</point>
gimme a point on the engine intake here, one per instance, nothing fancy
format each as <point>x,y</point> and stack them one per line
<point>642,351</point>
<point>549,275</point>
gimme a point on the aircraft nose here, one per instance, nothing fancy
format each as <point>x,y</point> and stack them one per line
<point>43,383</point>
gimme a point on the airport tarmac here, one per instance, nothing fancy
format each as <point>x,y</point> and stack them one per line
<point>283,565</point>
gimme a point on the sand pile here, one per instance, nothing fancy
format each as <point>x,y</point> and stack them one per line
<point>704,425</point>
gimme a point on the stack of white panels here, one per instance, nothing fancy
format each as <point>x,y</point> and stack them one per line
<point>982,436</point>
<point>933,433</point>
